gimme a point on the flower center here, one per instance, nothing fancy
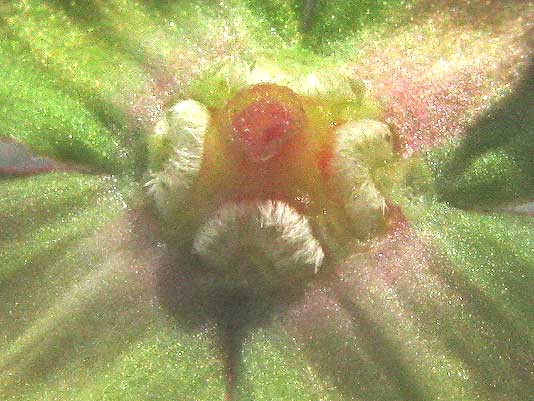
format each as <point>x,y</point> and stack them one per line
<point>261,125</point>
<point>263,119</point>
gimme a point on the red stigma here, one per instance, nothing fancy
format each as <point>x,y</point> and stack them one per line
<point>262,124</point>
<point>263,119</point>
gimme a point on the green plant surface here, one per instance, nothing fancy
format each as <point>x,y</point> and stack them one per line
<point>437,313</point>
<point>493,164</point>
<point>437,309</point>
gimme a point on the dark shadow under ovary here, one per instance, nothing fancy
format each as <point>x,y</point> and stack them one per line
<point>194,297</point>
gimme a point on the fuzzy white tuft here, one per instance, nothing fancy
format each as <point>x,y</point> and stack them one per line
<point>260,244</point>
<point>362,146</point>
<point>188,121</point>
<point>184,127</point>
<point>364,142</point>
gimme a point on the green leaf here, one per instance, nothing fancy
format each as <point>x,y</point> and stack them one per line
<point>437,309</point>
<point>49,120</point>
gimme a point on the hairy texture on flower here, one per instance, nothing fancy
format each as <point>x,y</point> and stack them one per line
<point>176,148</point>
<point>365,142</point>
<point>303,74</point>
<point>260,245</point>
<point>362,149</point>
<point>310,83</point>
<point>267,145</point>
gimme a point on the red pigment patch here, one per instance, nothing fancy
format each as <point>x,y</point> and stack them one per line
<point>261,125</point>
<point>433,91</point>
<point>324,160</point>
<point>262,121</point>
<point>424,113</point>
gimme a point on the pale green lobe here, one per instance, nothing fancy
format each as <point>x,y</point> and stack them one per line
<point>181,130</point>
<point>363,150</point>
<point>299,69</point>
<point>175,149</point>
